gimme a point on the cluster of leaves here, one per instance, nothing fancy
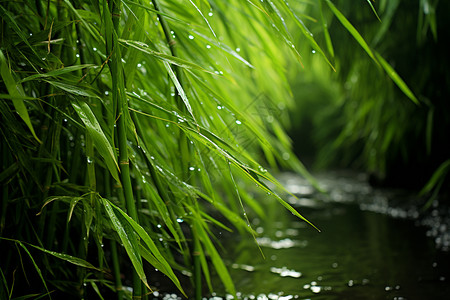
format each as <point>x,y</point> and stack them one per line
<point>123,125</point>
<point>390,123</point>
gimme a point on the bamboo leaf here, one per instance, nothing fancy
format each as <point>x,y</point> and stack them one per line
<point>215,256</point>
<point>16,91</point>
<point>36,267</point>
<point>180,89</point>
<point>326,32</point>
<point>164,57</point>
<point>308,35</point>
<point>127,237</point>
<point>98,136</point>
<point>396,78</point>
<point>134,228</point>
<point>156,11</point>
<point>73,89</point>
<point>351,29</point>
<point>6,16</point>
<point>373,9</point>
<point>87,25</point>
<point>69,258</point>
<point>58,72</point>
<point>438,176</point>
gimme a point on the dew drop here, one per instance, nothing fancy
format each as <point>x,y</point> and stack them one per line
<point>208,46</point>
<point>191,37</point>
<point>238,122</point>
<point>210,14</point>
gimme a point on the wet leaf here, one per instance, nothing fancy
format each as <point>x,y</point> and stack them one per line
<point>396,78</point>
<point>99,138</point>
<point>16,92</point>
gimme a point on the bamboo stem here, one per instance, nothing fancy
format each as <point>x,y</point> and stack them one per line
<point>119,98</point>
<point>184,150</point>
<point>116,270</point>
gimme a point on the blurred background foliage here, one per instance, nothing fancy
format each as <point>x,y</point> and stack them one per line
<point>132,132</point>
<point>357,117</point>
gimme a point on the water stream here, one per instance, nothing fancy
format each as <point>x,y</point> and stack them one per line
<point>374,245</point>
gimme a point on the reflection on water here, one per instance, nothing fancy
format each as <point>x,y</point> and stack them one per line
<point>373,245</point>
<point>370,247</point>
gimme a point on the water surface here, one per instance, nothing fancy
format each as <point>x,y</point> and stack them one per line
<point>373,244</point>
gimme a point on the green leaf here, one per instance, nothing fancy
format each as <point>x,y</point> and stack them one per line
<point>351,29</point>
<point>6,16</point>
<point>396,78</point>
<point>16,91</point>
<point>308,35</point>
<point>164,57</point>
<point>373,9</point>
<point>73,89</point>
<point>36,267</point>
<point>133,228</point>
<point>326,32</point>
<point>98,136</point>
<point>58,72</point>
<point>127,237</point>
<point>217,261</point>
<point>437,177</point>
<point>179,89</point>
<point>69,258</point>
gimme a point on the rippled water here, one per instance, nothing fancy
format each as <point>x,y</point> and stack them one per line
<point>374,245</point>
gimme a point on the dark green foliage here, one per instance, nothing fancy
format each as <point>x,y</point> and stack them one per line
<point>365,119</point>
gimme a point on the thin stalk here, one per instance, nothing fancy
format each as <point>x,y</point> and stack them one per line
<point>197,266</point>
<point>116,270</point>
<point>119,98</point>
<point>4,164</point>
<point>113,245</point>
<point>54,148</point>
<point>184,150</point>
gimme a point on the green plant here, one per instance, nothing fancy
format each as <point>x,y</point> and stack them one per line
<point>390,124</point>
<point>124,125</point>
